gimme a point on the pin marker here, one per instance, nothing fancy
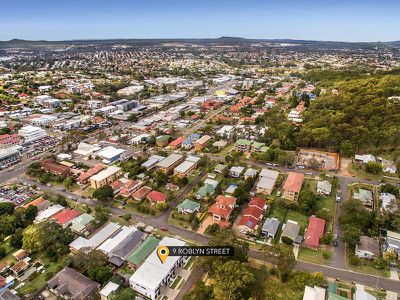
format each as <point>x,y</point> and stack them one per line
<point>162,253</point>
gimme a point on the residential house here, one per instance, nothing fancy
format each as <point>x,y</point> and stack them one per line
<point>386,200</point>
<point>153,275</point>
<point>250,173</point>
<point>314,232</point>
<point>119,254</point>
<point>137,256</point>
<point>243,145</point>
<point>324,187</point>
<point>130,187</point>
<point>109,291</point>
<point>361,294</point>
<point>267,181</point>
<point>222,209</point>
<point>392,242</point>
<point>81,223</point>
<point>152,161</point>
<point>236,172</point>
<point>202,142</point>
<point>156,197</point>
<point>251,215</point>
<point>366,197</point>
<point>185,168</point>
<point>162,140</point>
<point>314,293</point>
<point>270,228</point>
<point>367,247</point>
<point>220,168</point>
<point>84,176</point>
<point>71,284</point>
<point>291,231</point>
<point>65,217</point>
<point>176,143</point>
<point>141,193</point>
<point>50,166</point>
<point>292,186</point>
<point>188,207</point>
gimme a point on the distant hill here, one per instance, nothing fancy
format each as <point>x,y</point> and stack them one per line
<point>20,43</point>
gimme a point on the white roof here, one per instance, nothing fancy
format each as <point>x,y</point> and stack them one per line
<point>105,173</point>
<point>314,293</point>
<point>152,272</point>
<point>152,161</point>
<point>116,239</point>
<point>225,129</point>
<point>85,149</point>
<point>109,288</point>
<point>170,160</point>
<point>138,138</point>
<point>237,169</point>
<point>361,294</point>
<point>269,173</point>
<point>48,212</point>
<point>97,238</point>
<point>266,183</point>
<point>250,172</point>
<point>193,158</point>
<point>211,182</point>
<point>183,167</point>
<point>110,152</point>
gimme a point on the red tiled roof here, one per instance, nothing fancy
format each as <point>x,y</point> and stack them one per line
<point>294,182</point>
<point>257,201</point>
<point>66,216</point>
<point>128,188</point>
<point>177,142</point>
<point>225,200</point>
<point>248,221</point>
<point>253,211</point>
<point>89,173</point>
<point>315,229</point>
<point>141,193</point>
<point>157,196</point>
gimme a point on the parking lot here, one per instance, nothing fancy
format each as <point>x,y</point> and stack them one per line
<point>18,195</point>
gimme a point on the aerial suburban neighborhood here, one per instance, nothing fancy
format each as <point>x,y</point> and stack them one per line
<point>288,151</point>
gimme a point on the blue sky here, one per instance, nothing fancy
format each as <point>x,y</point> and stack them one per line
<point>336,20</point>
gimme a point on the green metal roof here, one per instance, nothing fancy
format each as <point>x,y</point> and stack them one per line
<point>144,250</point>
<point>205,190</point>
<point>243,142</point>
<point>188,205</point>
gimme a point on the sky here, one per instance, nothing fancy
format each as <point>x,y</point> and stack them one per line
<point>333,20</point>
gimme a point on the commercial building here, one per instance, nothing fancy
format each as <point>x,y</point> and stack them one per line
<point>31,133</point>
<point>110,154</point>
<point>10,156</point>
<point>153,275</point>
<point>169,163</point>
<point>292,186</point>
<point>50,166</point>
<point>105,177</point>
<point>9,140</point>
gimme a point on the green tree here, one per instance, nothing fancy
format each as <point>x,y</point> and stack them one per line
<point>308,202</point>
<point>16,238</point>
<point>373,167</point>
<point>48,237</point>
<point>233,280</point>
<point>104,193</point>
<point>125,294</point>
<point>350,235</point>
<point>199,292</point>
<point>285,260</point>
<point>101,274</point>
<point>6,208</point>
<point>68,182</point>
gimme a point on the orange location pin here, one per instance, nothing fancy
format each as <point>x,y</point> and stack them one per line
<point>163,253</point>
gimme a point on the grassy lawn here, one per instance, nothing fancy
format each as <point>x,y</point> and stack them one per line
<point>40,280</point>
<point>278,212</point>
<point>370,270</point>
<point>176,281</point>
<point>226,150</point>
<point>310,185</point>
<point>120,221</point>
<point>357,170</point>
<point>275,289</point>
<point>314,256</point>
<point>178,222</point>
